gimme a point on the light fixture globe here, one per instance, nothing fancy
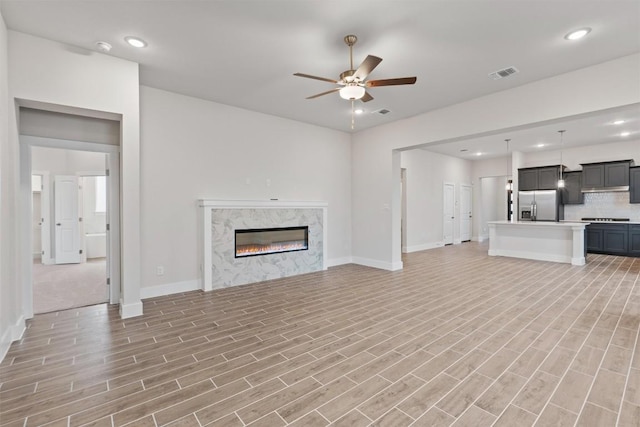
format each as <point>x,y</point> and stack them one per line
<point>352,91</point>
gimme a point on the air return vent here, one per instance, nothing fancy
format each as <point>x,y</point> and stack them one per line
<point>382,111</point>
<point>505,72</point>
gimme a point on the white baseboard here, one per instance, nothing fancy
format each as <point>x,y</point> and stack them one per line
<point>13,333</point>
<point>391,266</point>
<point>531,255</point>
<point>130,310</point>
<point>422,247</point>
<point>339,261</point>
<point>170,288</point>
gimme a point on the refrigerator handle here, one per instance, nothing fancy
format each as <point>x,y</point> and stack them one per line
<point>534,211</point>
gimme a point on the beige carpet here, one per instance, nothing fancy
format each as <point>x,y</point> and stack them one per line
<point>59,287</point>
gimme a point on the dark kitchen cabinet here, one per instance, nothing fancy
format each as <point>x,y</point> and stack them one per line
<point>634,239</point>
<point>634,184</point>
<point>615,239</point>
<point>572,193</point>
<point>610,239</point>
<point>527,179</point>
<point>541,178</point>
<point>595,241</point>
<point>548,178</point>
<point>606,175</point>
<point>593,175</point>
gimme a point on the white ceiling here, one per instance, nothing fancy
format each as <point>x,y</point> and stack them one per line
<point>244,52</point>
<point>590,129</point>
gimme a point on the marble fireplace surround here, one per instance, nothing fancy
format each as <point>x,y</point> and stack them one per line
<point>220,219</point>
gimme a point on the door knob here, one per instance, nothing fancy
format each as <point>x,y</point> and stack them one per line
<point>58,224</point>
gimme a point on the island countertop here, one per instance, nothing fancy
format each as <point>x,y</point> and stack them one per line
<point>543,223</point>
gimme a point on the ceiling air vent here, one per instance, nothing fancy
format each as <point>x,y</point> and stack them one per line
<point>382,111</point>
<point>505,72</point>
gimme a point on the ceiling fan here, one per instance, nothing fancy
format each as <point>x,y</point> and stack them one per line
<point>352,83</point>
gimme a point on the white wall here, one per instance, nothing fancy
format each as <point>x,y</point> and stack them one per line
<point>493,204</point>
<point>194,149</point>
<point>11,320</point>
<point>426,174</point>
<point>66,162</point>
<point>376,212</point>
<point>100,86</point>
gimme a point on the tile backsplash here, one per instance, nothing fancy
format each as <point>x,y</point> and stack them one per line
<point>603,205</point>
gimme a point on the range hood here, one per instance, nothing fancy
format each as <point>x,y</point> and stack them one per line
<point>618,189</point>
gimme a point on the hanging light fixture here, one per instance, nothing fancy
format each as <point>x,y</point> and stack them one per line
<point>561,180</point>
<point>509,185</point>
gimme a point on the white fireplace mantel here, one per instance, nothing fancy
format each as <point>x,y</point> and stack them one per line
<point>207,207</point>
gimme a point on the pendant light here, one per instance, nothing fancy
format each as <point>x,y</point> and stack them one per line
<point>561,180</point>
<point>509,185</point>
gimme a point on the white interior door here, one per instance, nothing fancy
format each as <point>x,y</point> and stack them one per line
<point>36,214</point>
<point>448,210</point>
<point>465,212</point>
<point>67,233</point>
<point>107,227</point>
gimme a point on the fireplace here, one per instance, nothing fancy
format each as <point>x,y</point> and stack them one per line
<point>226,222</point>
<point>264,241</point>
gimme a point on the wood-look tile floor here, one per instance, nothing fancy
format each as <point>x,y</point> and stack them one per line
<point>456,338</point>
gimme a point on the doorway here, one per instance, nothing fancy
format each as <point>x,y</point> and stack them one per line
<point>69,217</point>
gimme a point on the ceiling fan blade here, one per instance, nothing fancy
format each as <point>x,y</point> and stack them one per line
<point>391,82</point>
<point>324,93</point>
<point>367,97</point>
<point>309,76</point>
<point>367,66</point>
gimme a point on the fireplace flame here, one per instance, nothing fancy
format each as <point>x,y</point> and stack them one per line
<point>246,250</point>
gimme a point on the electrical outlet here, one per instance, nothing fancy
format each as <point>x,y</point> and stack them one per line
<point>159,270</point>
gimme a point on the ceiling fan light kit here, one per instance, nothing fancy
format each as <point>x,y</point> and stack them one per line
<point>352,91</point>
<point>352,82</point>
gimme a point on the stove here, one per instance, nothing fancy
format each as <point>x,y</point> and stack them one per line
<point>606,219</point>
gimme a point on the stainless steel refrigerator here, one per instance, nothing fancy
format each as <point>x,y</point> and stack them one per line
<point>542,205</point>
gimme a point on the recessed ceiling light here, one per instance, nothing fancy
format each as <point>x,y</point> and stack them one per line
<point>478,154</point>
<point>578,34</point>
<point>625,133</point>
<point>103,46</point>
<point>540,145</point>
<point>135,41</point>
<point>358,111</point>
<point>618,122</point>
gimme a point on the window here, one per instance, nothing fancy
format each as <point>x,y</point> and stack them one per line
<point>101,194</point>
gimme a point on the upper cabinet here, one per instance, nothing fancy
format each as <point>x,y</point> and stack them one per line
<point>543,178</point>
<point>548,178</point>
<point>572,193</point>
<point>608,175</point>
<point>634,184</point>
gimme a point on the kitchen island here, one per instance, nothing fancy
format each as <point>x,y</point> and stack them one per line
<point>540,240</point>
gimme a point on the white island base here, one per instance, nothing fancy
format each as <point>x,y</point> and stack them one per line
<point>543,241</point>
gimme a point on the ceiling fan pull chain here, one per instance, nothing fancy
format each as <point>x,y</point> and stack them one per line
<point>353,114</point>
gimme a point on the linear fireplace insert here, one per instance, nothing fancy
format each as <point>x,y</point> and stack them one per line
<point>263,241</point>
